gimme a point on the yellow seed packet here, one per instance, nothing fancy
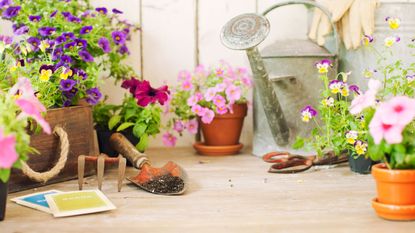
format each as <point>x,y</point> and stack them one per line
<point>78,203</point>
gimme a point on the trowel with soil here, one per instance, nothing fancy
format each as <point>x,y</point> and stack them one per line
<point>168,180</point>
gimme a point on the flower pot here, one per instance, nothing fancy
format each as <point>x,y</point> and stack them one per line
<point>225,129</point>
<point>104,135</point>
<point>3,199</point>
<point>396,193</point>
<point>360,164</point>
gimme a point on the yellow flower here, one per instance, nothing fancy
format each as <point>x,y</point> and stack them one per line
<point>66,73</point>
<point>45,75</point>
<point>389,41</point>
<point>351,137</point>
<point>360,147</point>
<point>44,45</point>
<point>345,91</point>
<point>329,101</point>
<point>393,22</point>
<point>13,68</point>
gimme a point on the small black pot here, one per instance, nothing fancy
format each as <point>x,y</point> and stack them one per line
<point>3,199</point>
<point>104,139</point>
<point>361,164</point>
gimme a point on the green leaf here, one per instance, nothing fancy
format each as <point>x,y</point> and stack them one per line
<point>4,175</point>
<point>139,129</point>
<point>142,145</point>
<point>124,125</point>
<point>114,120</point>
<point>299,143</point>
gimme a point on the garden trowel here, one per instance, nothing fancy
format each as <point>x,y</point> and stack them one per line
<point>168,180</point>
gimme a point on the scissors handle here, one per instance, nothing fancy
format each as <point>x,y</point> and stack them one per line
<point>284,162</point>
<point>276,157</point>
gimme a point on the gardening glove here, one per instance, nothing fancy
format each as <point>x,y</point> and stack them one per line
<point>320,26</point>
<point>361,19</point>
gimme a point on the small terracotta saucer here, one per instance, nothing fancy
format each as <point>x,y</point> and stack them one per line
<point>394,212</point>
<point>203,149</point>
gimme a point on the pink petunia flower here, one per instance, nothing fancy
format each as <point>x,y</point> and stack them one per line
<point>221,110</point>
<point>178,126</point>
<point>208,116</point>
<point>8,154</point>
<point>184,75</point>
<point>367,99</point>
<point>187,85</point>
<point>210,93</point>
<point>220,87</point>
<point>192,126</point>
<point>29,103</point>
<point>169,139</point>
<point>233,93</point>
<point>192,100</point>
<point>219,101</point>
<point>198,110</point>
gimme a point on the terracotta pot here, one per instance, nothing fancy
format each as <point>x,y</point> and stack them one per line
<point>395,187</point>
<point>225,129</point>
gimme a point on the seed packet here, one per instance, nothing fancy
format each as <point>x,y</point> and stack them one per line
<point>36,200</point>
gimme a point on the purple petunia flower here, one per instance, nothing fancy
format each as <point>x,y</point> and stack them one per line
<point>101,10</point>
<point>104,44</point>
<point>67,103</point>
<point>118,37</point>
<point>116,11</point>
<point>11,12</point>
<point>70,45</point>
<point>85,30</point>
<point>355,88</point>
<point>60,39</point>
<point>94,95</point>
<point>66,14</point>
<point>6,39</point>
<point>81,43</point>
<point>124,49</point>
<point>46,31</point>
<point>82,73</point>
<point>57,53</point>
<point>35,18</point>
<point>70,94</point>
<point>20,29</point>
<point>73,19</point>
<point>66,59</point>
<point>35,42</point>
<point>53,14</point>
<point>67,84</point>
<point>4,3</point>
<point>68,35</point>
<point>86,56</point>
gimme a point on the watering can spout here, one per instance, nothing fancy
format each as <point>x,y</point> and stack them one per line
<point>245,32</point>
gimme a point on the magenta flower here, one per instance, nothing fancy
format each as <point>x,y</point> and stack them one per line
<point>11,12</point>
<point>178,126</point>
<point>8,154</point>
<point>169,139</point>
<point>208,116</point>
<point>219,101</point>
<point>85,30</point>
<point>308,113</point>
<point>192,126</point>
<point>144,93</point>
<point>233,93</point>
<point>367,99</point>
<point>198,110</point>
<point>104,44</point>
<point>118,37</point>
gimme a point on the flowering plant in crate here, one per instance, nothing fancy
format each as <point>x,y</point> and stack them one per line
<point>17,106</point>
<point>140,111</point>
<point>63,45</point>
<point>204,93</point>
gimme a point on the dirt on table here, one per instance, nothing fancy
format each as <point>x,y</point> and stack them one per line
<point>165,184</point>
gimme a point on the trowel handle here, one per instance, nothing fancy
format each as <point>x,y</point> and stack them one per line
<point>121,144</point>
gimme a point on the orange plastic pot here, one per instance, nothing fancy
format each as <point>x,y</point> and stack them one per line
<point>225,130</point>
<point>394,187</point>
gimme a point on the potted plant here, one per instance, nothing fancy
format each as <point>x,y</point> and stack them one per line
<point>337,130</point>
<point>138,117</point>
<point>215,99</point>
<point>16,107</point>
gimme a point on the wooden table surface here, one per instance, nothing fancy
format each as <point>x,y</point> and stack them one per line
<point>225,194</point>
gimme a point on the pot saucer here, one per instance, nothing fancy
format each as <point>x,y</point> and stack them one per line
<point>394,212</point>
<point>203,149</point>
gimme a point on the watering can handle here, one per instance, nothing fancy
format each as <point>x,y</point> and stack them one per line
<point>310,3</point>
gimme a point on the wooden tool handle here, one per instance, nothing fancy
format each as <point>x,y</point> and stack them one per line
<point>121,144</point>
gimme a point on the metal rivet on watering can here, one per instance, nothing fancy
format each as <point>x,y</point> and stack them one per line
<point>245,32</point>
<point>285,78</point>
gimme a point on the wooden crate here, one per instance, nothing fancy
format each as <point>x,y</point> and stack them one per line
<point>78,124</point>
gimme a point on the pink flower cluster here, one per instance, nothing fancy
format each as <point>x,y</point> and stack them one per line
<point>179,126</point>
<point>391,118</point>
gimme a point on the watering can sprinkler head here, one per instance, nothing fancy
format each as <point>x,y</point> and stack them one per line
<point>245,31</point>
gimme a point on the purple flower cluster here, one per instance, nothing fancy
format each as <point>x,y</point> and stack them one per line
<point>11,12</point>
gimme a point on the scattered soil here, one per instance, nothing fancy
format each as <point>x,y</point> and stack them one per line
<point>165,184</point>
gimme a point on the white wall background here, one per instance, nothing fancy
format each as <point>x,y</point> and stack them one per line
<point>168,39</point>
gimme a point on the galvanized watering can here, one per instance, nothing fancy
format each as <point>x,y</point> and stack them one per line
<point>285,78</point>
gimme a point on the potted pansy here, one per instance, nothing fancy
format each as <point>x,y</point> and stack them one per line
<point>17,106</point>
<point>138,117</point>
<point>64,46</point>
<point>337,130</point>
<point>215,99</point>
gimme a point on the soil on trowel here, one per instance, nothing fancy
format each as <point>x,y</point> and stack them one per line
<point>165,184</point>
